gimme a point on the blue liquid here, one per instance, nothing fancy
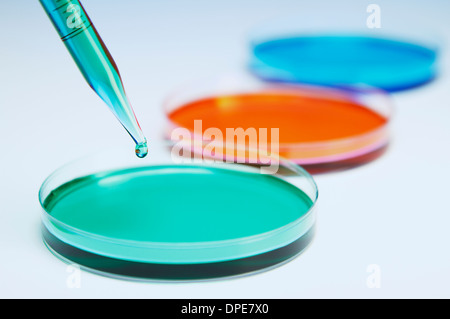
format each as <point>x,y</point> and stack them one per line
<point>345,60</point>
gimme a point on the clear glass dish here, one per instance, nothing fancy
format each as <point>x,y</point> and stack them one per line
<point>175,217</point>
<point>217,103</point>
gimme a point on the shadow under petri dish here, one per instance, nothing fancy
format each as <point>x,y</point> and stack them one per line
<point>177,222</point>
<point>388,64</point>
<point>320,129</point>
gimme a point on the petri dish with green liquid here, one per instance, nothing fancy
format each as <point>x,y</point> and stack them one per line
<point>175,217</point>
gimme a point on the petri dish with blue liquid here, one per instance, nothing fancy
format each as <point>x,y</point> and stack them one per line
<point>337,51</point>
<point>175,217</point>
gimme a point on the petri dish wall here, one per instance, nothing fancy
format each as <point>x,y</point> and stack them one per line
<point>320,128</point>
<point>175,217</point>
<point>344,49</point>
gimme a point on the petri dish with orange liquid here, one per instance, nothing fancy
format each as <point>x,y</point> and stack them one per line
<point>319,128</point>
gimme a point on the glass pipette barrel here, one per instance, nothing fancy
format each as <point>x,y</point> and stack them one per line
<point>95,62</point>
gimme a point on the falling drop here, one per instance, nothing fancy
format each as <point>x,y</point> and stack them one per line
<point>142,149</point>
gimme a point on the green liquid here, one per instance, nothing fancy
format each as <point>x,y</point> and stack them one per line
<point>141,149</point>
<point>106,220</point>
<point>177,204</point>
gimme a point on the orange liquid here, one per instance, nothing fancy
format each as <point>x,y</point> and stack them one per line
<point>300,119</point>
<point>321,132</point>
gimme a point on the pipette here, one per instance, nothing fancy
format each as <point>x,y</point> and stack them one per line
<point>95,62</point>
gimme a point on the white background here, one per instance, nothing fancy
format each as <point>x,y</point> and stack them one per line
<point>394,212</point>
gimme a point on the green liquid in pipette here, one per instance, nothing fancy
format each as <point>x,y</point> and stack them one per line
<point>95,63</point>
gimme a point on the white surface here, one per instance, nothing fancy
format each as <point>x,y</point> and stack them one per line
<point>393,212</point>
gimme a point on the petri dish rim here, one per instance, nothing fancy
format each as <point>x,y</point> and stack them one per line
<point>134,278</point>
<point>395,25</point>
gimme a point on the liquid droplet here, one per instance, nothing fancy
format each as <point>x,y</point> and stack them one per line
<point>142,149</point>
